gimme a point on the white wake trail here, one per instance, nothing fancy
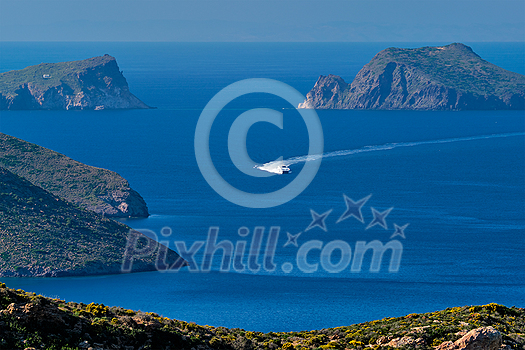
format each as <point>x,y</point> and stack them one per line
<point>276,166</point>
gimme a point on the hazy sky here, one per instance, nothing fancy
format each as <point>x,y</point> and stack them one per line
<point>268,20</point>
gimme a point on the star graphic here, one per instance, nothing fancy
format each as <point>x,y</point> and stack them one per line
<point>318,220</point>
<point>292,239</point>
<point>379,218</point>
<point>353,208</point>
<point>400,231</point>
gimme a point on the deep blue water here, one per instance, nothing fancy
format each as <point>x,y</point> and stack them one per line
<point>457,179</point>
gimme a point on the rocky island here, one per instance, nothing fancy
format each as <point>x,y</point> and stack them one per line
<point>100,190</point>
<point>450,77</point>
<point>94,83</point>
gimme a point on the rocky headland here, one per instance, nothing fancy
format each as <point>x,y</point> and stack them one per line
<point>100,190</point>
<point>42,235</point>
<point>450,77</point>
<point>94,83</point>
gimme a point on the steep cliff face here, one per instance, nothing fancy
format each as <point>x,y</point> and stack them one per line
<point>451,77</point>
<point>100,190</point>
<point>94,83</point>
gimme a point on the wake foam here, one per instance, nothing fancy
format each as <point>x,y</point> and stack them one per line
<point>276,166</point>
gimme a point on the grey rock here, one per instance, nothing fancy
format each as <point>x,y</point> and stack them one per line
<point>483,338</point>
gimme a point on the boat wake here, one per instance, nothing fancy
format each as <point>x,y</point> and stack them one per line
<point>277,167</point>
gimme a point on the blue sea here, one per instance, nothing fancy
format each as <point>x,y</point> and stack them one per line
<point>457,179</point>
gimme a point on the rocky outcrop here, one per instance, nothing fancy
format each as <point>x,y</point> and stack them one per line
<point>407,342</point>
<point>329,92</point>
<point>100,190</point>
<point>94,83</point>
<point>123,202</point>
<point>483,338</point>
<point>450,77</point>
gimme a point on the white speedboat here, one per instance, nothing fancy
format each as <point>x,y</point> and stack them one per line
<point>285,169</point>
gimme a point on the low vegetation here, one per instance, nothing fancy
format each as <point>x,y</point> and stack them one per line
<point>32,321</point>
<point>43,235</point>
<point>92,84</point>
<point>47,75</point>
<point>455,66</point>
<point>92,188</point>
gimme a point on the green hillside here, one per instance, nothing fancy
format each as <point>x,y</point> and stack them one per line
<point>100,190</point>
<point>30,320</point>
<point>43,235</point>
<point>92,84</point>
<point>455,66</point>
<point>66,73</point>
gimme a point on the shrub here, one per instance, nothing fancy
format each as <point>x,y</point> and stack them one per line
<point>287,346</point>
<point>97,310</point>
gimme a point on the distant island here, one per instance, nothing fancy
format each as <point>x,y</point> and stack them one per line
<point>95,83</point>
<point>100,190</point>
<point>30,321</point>
<point>450,77</point>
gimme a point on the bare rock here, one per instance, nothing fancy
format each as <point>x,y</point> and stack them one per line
<point>484,338</point>
<point>405,342</point>
<point>384,340</point>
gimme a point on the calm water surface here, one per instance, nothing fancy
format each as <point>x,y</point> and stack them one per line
<point>457,179</point>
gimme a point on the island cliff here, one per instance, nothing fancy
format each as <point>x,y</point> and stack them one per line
<point>450,77</point>
<point>100,190</point>
<point>94,83</point>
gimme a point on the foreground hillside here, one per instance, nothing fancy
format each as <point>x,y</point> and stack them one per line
<point>43,235</point>
<point>94,83</point>
<point>450,77</point>
<point>100,190</point>
<point>29,321</point>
